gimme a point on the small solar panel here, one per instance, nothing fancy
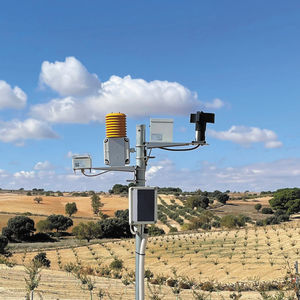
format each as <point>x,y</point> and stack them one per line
<point>142,205</point>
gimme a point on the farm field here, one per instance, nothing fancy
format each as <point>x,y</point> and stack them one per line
<point>63,286</point>
<point>217,259</point>
<point>246,255</point>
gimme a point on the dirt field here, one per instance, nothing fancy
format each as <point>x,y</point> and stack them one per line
<point>60,285</point>
<point>18,203</point>
<point>224,256</point>
<point>248,255</point>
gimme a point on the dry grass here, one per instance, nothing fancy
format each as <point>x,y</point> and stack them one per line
<point>226,256</point>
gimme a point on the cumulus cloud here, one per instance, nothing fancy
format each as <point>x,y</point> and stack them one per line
<point>43,165</point>
<point>215,104</point>
<point>135,97</point>
<point>11,97</point>
<point>25,174</point>
<point>66,110</point>
<point>246,136</point>
<point>69,78</point>
<point>254,177</point>
<point>18,131</point>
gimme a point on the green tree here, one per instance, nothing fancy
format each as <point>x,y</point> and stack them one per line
<point>197,201</point>
<point>21,227</point>
<point>119,189</point>
<point>286,200</point>
<point>42,260</point>
<point>258,207</point>
<point>222,198</point>
<point>267,211</point>
<point>96,204</point>
<point>71,208</point>
<point>38,200</point>
<point>231,221</point>
<point>59,222</point>
<point>33,278</point>
<point>43,225</point>
<point>87,231</point>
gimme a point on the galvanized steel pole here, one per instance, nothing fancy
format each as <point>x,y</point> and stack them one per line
<point>141,157</point>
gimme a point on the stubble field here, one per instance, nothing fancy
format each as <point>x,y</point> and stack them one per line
<point>224,257</point>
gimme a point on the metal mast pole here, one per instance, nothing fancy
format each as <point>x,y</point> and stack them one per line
<point>141,156</point>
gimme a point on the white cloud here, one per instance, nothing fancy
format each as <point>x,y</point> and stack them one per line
<point>46,165</point>
<point>25,174</point>
<point>18,131</point>
<point>215,104</point>
<point>253,177</point>
<point>69,78</point>
<point>11,97</point>
<point>247,135</point>
<point>66,110</point>
<point>152,171</point>
<point>135,97</point>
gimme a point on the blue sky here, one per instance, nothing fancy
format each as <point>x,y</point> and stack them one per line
<point>65,64</point>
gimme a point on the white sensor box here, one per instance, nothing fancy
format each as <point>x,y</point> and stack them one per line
<point>142,205</point>
<point>81,162</point>
<point>116,152</point>
<point>161,130</point>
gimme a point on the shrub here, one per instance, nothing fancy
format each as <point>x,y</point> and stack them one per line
<point>43,225</point>
<point>173,229</point>
<point>231,221</point>
<point>114,228</point>
<point>259,223</point>
<point>40,237</point>
<point>257,206</point>
<point>222,198</point>
<point>41,260</point>
<point>155,231</point>
<point>3,243</point>
<point>116,264</point>
<point>38,200</point>
<point>267,210</point>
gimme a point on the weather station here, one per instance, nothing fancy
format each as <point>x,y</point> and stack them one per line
<point>142,200</point>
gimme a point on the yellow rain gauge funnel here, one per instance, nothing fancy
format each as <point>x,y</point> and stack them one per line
<point>116,143</point>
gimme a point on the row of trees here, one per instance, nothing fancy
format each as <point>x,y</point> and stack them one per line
<point>22,228</point>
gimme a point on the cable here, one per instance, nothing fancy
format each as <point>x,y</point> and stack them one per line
<point>94,175</point>
<point>148,156</point>
<point>188,149</point>
<point>132,230</point>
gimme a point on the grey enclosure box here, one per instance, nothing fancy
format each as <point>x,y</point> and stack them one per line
<point>116,152</point>
<point>81,162</point>
<point>161,130</point>
<point>142,205</point>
